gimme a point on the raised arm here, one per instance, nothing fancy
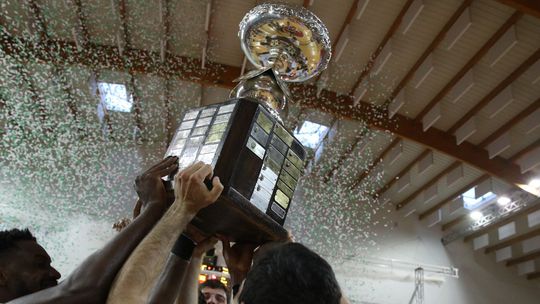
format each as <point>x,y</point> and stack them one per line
<point>189,290</point>
<point>90,282</point>
<point>138,275</point>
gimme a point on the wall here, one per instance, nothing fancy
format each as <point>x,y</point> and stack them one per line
<point>481,280</point>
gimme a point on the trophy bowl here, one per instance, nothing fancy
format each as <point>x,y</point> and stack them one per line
<point>290,40</point>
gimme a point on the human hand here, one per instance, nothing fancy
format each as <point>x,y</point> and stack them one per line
<point>238,259</point>
<point>190,190</point>
<point>149,185</point>
<point>204,246</point>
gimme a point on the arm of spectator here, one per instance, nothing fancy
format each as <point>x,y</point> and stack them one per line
<point>139,273</point>
<point>175,273</point>
<point>90,282</point>
<point>189,289</point>
<point>238,259</point>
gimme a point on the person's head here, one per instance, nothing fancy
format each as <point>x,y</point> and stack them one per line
<point>214,292</point>
<point>25,267</point>
<point>290,273</point>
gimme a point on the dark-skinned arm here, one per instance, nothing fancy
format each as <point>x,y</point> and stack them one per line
<point>91,281</point>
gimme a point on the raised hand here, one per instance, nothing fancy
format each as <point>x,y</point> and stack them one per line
<point>149,185</point>
<point>238,259</point>
<point>190,189</point>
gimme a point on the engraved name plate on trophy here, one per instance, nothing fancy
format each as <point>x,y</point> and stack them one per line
<point>257,159</point>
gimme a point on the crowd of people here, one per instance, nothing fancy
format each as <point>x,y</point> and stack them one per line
<point>152,261</point>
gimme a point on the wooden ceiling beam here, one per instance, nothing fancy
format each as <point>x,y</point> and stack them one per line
<point>498,89</point>
<point>403,171</point>
<point>371,62</point>
<point>533,276</point>
<point>511,123</point>
<point>39,21</point>
<point>470,64</point>
<point>450,197</point>
<point>432,46</point>
<point>375,162</point>
<point>503,222</point>
<point>81,19</point>
<point>512,241</point>
<point>139,61</point>
<point>343,157</point>
<point>348,19</point>
<point>430,183</point>
<point>523,258</point>
<point>529,7</point>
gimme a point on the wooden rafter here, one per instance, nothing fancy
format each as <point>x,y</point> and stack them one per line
<point>81,19</point>
<point>503,222</point>
<point>470,64</point>
<point>530,7</point>
<point>344,156</point>
<point>348,19</point>
<point>474,183</point>
<point>39,21</point>
<point>533,276</point>
<point>454,222</point>
<point>376,161</point>
<point>499,88</point>
<point>513,240</point>
<point>107,57</point>
<point>511,123</point>
<point>450,197</point>
<point>523,258</point>
<point>430,183</point>
<point>504,128</point>
<point>403,171</point>
<point>371,62</point>
<point>526,151</point>
<point>432,46</point>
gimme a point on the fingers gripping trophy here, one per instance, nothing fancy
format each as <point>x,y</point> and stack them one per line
<point>258,161</point>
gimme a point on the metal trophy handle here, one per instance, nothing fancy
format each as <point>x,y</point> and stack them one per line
<point>286,44</point>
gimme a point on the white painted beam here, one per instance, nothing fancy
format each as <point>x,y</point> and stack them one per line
<point>529,161</point>
<point>499,145</point>
<point>531,122</point>
<point>502,47</point>
<point>411,15</point>
<point>499,102</point>
<point>466,130</point>
<point>423,71</point>
<point>396,104</point>
<point>431,117</point>
<point>425,163</point>
<point>464,85</point>
<point>383,57</point>
<point>458,29</point>
<point>454,176</point>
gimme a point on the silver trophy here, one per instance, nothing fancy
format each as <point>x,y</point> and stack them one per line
<point>256,158</point>
<point>285,44</point>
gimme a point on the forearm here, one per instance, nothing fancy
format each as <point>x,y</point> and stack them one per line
<point>139,273</point>
<point>166,288</point>
<point>189,290</point>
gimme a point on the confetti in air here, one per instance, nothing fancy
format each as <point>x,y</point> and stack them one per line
<point>68,157</point>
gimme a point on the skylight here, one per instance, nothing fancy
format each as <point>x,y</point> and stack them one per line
<point>471,202</point>
<point>115,97</point>
<point>310,134</point>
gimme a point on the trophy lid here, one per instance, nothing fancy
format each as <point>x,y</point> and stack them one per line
<point>291,41</point>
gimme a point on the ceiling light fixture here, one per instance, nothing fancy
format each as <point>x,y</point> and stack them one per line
<point>535,183</point>
<point>503,200</point>
<point>476,215</point>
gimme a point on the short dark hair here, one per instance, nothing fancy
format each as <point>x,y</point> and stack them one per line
<point>215,284</point>
<point>289,274</point>
<point>9,238</point>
